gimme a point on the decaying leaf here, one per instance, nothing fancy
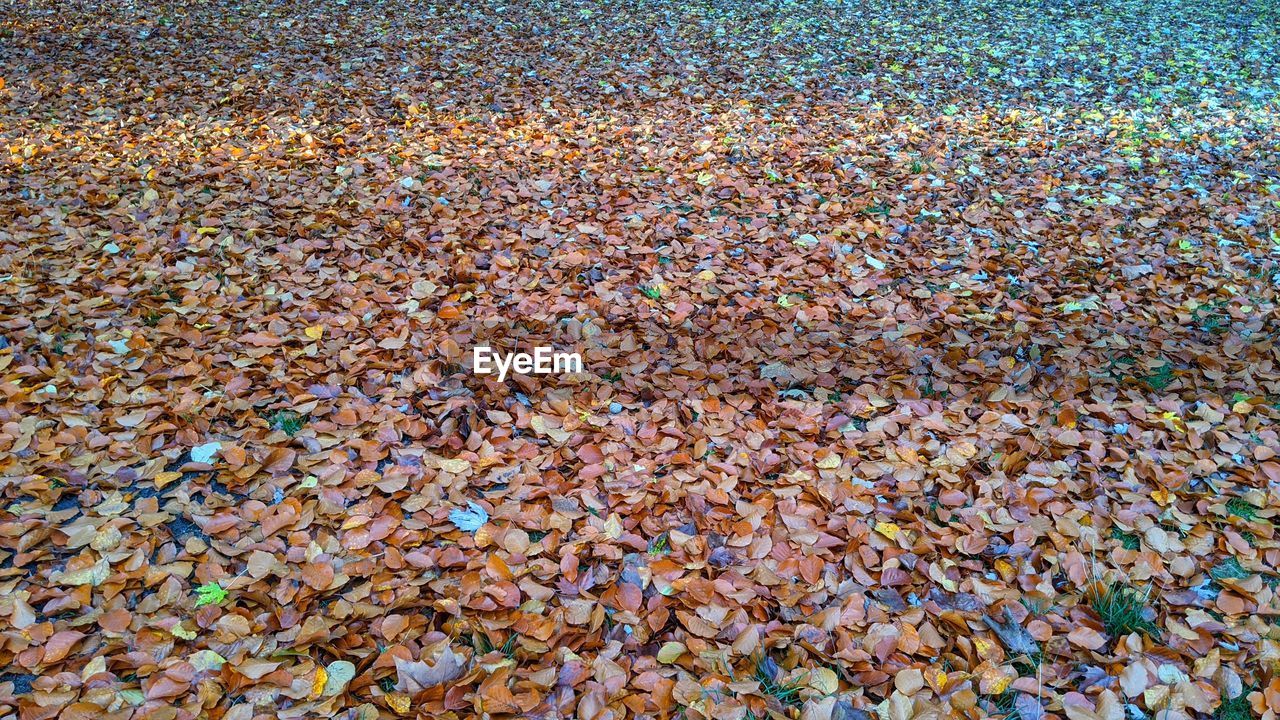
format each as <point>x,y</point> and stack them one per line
<point>337,675</point>
<point>469,519</point>
<point>1015,638</point>
<point>444,665</point>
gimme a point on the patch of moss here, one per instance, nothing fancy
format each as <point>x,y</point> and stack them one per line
<point>1242,509</point>
<point>288,421</point>
<point>1229,569</point>
<point>1128,540</point>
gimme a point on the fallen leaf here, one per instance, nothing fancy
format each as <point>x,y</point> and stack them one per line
<point>414,676</point>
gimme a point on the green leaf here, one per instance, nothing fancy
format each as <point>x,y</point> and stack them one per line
<point>340,673</point>
<point>206,660</point>
<point>210,594</point>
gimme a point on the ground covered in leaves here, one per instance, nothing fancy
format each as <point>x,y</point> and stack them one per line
<point>931,359</point>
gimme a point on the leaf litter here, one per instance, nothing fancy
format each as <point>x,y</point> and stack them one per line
<point>930,359</point>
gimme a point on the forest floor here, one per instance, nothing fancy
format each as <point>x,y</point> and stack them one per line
<point>931,359</point>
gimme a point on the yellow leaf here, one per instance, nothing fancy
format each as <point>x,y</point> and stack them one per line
<point>670,652</point>
<point>317,685</point>
<point>936,678</point>
<point>824,680</point>
<point>983,647</point>
<point>706,275</point>
<point>399,702</point>
<point>179,631</point>
<point>613,527</point>
<point>315,332</point>
<point>165,478</point>
<point>94,666</point>
<point>205,660</point>
<point>888,530</point>
<point>993,680</point>
<point>455,466</point>
<point>830,462</point>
